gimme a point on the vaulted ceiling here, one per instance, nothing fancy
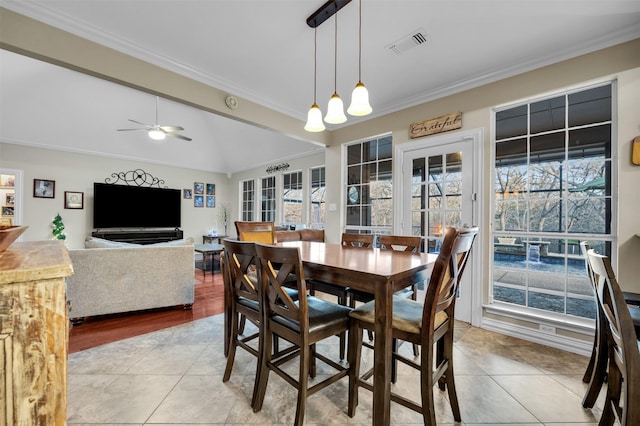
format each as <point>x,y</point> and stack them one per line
<point>263,52</point>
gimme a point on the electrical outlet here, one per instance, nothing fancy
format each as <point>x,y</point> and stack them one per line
<point>547,329</point>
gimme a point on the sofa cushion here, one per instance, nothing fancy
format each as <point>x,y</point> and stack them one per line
<point>181,242</point>
<point>93,242</point>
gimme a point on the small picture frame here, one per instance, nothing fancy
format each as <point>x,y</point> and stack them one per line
<point>211,189</point>
<point>198,188</point>
<point>10,198</point>
<point>7,210</point>
<point>44,188</point>
<point>198,200</point>
<point>211,201</point>
<point>187,194</point>
<point>7,181</point>
<point>73,200</point>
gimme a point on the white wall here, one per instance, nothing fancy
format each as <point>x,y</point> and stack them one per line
<point>78,172</point>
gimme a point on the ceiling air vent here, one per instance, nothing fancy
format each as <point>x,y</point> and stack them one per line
<point>416,38</point>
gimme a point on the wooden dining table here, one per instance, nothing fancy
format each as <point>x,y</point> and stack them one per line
<point>380,272</point>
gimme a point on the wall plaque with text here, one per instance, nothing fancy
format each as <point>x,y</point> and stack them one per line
<point>440,124</point>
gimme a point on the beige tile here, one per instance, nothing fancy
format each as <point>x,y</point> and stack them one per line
<point>129,399</point>
<point>546,399</point>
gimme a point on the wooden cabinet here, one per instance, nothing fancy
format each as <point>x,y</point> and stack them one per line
<point>33,334</point>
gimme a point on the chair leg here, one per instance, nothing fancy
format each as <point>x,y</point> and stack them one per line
<point>261,390</point>
<point>306,355</point>
<point>394,362</point>
<point>243,321</point>
<point>589,371</point>
<point>342,300</point>
<point>426,387</point>
<point>354,353</point>
<point>599,368</point>
<point>312,361</point>
<point>232,345</point>
<point>449,376</point>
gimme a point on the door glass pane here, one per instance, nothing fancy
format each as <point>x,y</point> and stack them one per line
<point>435,168</point>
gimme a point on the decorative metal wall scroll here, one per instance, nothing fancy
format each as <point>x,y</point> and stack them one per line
<point>137,177</point>
<point>278,168</point>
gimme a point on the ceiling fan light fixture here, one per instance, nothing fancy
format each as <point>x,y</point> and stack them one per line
<point>314,120</point>
<point>157,134</point>
<point>360,101</point>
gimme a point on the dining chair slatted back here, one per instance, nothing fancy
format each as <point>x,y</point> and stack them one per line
<point>596,372</point>
<point>400,242</point>
<point>357,240</point>
<point>430,325</point>
<point>244,300</point>
<point>623,378</point>
<point>302,323</point>
<point>316,235</point>
<point>258,232</point>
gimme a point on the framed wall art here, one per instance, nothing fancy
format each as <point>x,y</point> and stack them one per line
<point>43,188</point>
<point>187,194</point>
<point>211,189</point>
<point>7,181</point>
<point>10,198</point>
<point>198,200</point>
<point>211,201</point>
<point>7,210</point>
<point>73,200</point>
<point>198,188</point>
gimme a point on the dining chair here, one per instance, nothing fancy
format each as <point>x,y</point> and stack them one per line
<point>302,323</point>
<point>429,324</point>
<point>258,232</point>
<point>357,240</point>
<point>244,299</point>
<point>409,243</point>
<point>623,380</point>
<point>596,372</point>
<point>341,293</point>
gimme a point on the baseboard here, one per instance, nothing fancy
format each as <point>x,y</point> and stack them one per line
<point>557,341</point>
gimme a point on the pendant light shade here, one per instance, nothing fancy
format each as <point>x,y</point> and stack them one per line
<point>360,97</point>
<point>314,120</point>
<point>360,101</point>
<point>314,116</point>
<point>335,110</point>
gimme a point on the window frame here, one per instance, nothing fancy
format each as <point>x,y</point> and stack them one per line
<point>568,321</point>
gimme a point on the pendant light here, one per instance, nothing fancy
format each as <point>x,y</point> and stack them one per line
<point>360,97</point>
<point>335,110</point>
<point>314,116</point>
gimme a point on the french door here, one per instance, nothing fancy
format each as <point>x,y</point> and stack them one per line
<point>439,183</point>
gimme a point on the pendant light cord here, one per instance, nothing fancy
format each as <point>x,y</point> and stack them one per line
<point>359,40</point>
<point>335,58</point>
<point>315,62</point>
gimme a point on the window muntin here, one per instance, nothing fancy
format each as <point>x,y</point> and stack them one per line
<point>317,203</point>
<point>552,182</point>
<point>292,198</point>
<point>268,199</point>
<point>248,200</point>
<point>369,203</point>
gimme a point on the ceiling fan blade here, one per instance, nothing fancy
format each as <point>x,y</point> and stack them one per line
<point>139,122</point>
<point>171,128</point>
<point>124,130</point>
<point>179,136</point>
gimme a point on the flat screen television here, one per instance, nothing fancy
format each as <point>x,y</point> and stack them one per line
<point>122,206</point>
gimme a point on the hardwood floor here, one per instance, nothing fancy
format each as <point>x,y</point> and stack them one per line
<point>95,331</point>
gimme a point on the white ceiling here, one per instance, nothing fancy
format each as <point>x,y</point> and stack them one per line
<point>263,51</point>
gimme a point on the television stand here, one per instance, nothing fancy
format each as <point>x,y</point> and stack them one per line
<point>141,236</point>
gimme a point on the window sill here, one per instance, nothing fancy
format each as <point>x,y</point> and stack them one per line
<point>573,324</point>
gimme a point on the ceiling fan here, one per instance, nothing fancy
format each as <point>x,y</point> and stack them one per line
<point>158,132</point>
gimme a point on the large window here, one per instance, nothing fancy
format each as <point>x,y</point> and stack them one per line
<point>292,198</point>
<point>369,204</point>
<point>553,189</point>
<point>268,204</point>
<point>248,200</point>
<point>317,204</point>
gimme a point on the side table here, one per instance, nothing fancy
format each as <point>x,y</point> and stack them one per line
<point>208,251</point>
<point>210,239</point>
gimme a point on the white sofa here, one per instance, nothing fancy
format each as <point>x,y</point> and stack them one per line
<point>111,277</point>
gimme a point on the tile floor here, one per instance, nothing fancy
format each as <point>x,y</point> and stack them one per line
<point>174,377</point>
